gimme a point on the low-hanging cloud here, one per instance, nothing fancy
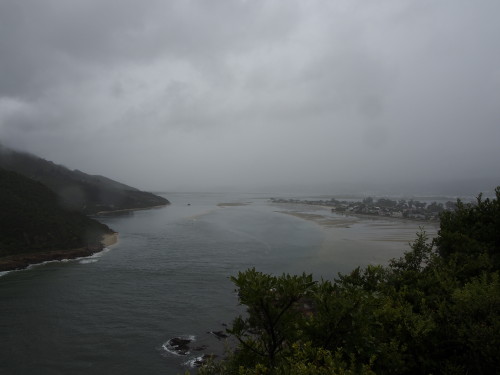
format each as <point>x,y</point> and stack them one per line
<point>255,94</point>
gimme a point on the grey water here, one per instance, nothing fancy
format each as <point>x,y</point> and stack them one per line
<point>168,276</point>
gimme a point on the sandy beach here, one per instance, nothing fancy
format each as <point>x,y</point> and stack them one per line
<point>109,239</point>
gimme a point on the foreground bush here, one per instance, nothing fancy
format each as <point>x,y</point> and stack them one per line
<point>434,310</point>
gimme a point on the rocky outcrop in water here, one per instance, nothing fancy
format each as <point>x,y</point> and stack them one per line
<point>179,345</point>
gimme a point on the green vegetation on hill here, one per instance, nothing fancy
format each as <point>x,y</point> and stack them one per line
<point>33,221</point>
<point>77,190</point>
<point>435,310</point>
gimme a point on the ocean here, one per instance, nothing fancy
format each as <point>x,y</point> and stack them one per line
<point>168,277</point>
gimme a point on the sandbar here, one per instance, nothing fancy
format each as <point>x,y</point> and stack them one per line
<point>232,204</point>
<point>328,222</point>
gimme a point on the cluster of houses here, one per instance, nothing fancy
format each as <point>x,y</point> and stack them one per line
<point>408,209</point>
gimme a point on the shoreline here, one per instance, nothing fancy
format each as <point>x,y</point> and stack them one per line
<point>345,221</point>
<point>109,239</point>
<point>23,261</point>
<point>130,209</point>
<point>320,208</point>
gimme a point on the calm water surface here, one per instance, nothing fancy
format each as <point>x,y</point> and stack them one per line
<point>168,277</point>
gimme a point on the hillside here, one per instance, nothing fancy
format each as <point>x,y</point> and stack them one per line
<point>35,228</point>
<point>77,190</point>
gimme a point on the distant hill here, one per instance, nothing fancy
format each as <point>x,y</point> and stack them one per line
<point>77,190</point>
<point>34,227</point>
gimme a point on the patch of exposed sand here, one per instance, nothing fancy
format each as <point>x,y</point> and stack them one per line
<point>109,239</point>
<point>360,240</point>
<point>324,221</point>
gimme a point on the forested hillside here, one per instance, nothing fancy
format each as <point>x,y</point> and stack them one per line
<point>436,310</point>
<point>78,190</point>
<point>33,221</point>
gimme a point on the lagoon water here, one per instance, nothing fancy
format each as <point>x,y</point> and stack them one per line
<point>168,276</point>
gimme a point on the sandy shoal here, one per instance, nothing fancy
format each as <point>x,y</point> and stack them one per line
<point>327,222</point>
<point>351,241</point>
<point>232,204</point>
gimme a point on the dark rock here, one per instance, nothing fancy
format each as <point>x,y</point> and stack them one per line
<point>179,345</point>
<point>201,361</point>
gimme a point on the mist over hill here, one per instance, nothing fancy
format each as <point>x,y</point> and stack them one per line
<point>75,189</point>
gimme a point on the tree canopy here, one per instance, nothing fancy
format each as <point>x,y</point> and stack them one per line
<point>32,219</point>
<point>77,190</point>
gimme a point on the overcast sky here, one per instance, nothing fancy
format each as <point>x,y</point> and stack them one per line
<point>255,94</point>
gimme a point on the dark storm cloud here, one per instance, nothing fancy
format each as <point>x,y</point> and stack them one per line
<point>187,94</point>
<point>53,40</point>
